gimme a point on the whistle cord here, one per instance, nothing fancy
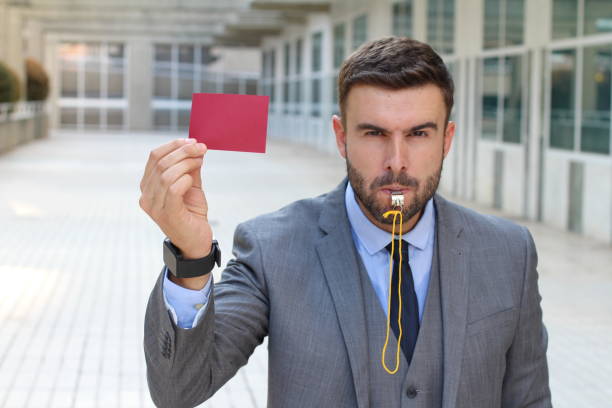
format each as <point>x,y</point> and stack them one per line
<point>402,306</point>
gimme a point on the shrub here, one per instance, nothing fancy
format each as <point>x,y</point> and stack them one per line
<point>37,81</point>
<point>10,87</point>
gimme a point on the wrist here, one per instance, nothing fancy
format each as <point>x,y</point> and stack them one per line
<point>194,264</point>
<point>197,283</point>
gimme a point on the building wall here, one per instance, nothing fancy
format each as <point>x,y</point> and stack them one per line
<point>504,154</point>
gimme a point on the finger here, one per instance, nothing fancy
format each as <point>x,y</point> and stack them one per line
<point>170,176</point>
<point>157,154</point>
<point>197,174</point>
<point>174,199</point>
<point>186,151</point>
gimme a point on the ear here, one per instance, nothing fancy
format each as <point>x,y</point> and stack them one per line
<point>340,135</point>
<point>449,134</point>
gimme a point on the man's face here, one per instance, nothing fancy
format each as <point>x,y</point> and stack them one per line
<point>393,141</point>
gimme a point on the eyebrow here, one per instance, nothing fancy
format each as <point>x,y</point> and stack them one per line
<point>370,126</point>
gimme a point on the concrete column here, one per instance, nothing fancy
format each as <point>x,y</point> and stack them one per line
<point>468,44</point>
<point>139,83</point>
<point>419,20</point>
<point>538,26</point>
<point>3,29</point>
<point>13,55</point>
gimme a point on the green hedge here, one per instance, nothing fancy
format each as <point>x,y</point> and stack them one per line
<point>10,86</point>
<point>37,81</point>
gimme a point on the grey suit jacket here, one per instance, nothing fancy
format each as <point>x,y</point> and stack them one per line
<point>294,279</point>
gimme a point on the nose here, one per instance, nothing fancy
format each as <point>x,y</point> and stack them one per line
<point>396,154</point>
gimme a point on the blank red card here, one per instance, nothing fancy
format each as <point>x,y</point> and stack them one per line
<point>230,122</point>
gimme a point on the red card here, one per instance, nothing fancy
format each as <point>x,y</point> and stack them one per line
<point>230,122</point>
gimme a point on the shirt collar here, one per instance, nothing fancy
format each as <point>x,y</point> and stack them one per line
<point>375,239</point>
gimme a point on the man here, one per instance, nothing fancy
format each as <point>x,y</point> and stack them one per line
<point>319,279</point>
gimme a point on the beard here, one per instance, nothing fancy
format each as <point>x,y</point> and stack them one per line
<point>367,196</point>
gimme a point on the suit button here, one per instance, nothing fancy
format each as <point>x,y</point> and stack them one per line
<point>411,392</point>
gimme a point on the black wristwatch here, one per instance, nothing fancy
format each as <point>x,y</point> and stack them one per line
<point>190,268</point>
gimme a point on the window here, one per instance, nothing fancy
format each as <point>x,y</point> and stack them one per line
<point>441,25</point>
<point>299,45</point>
<point>503,23</point>
<point>186,72</point>
<point>339,51</point>
<point>339,44</point>
<point>317,51</point>
<point>94,71</point>
<point>360,31</point>
<point>490,87</point>
<point>595,118</point>
<point>315,82</point>
<point>562,98</point>
<point>401,11</point>
<point>315,97</point>
<point>597,17</point>
<point>502,98</point>
<point>297,83</point>
<point>512,94</point>
<point>564,18</point>
<point>286,80</point>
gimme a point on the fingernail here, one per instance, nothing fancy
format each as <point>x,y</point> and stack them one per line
<point>190,140</point>
<point>201,146</point>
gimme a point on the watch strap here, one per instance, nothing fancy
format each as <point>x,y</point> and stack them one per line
<point>190,268</point>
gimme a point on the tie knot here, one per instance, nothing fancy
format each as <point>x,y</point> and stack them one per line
<point>397,251</point>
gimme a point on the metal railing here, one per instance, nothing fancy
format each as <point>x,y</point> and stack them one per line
<point>10,112</point>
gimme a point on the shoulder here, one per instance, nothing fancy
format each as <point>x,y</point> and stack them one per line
<point>483,228</point>
<point>298,218</point>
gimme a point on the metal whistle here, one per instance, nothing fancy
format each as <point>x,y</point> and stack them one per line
<point>397,200</point>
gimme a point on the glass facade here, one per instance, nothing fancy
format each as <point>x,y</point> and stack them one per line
<point>316,60</point>
<point>512,98</point>
<point>339,44</point>
<point>298,82</point>
<point>401,13</point>
<point>338,58</point>
<point>441,25</point>
<point>562,98</point>
<point>286,77</point>
<point>597,16</point>
<point>360,31</point>
<point>92,85</point>
<point>490,98</point>
<point>502,98</point>
<point>565,21</point>
<point>503,23</point>
<point>595,117</point>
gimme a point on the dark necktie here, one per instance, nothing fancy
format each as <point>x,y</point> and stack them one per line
<point>410,305</point>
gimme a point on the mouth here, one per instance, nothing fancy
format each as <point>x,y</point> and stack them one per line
<point>388,190</point>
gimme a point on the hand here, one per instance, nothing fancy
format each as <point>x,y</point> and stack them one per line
<point>172,196</point>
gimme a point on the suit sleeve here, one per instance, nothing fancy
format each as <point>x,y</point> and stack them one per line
<point>185,367</point>
<point>526,380</point>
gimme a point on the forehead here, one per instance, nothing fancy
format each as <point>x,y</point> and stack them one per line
<point>368,103</point>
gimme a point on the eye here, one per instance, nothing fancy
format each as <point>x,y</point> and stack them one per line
<point>419,133</point>
<point>373,133</point>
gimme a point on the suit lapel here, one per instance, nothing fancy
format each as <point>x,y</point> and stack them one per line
<point>454,283</point>
<point>340,265</point>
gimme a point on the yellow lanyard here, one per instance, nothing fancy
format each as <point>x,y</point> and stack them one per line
<point>399,292</point>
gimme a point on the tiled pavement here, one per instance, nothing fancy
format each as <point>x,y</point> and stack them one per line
<point>78,259</point>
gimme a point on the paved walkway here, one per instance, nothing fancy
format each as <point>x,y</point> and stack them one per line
<point>78,259</point>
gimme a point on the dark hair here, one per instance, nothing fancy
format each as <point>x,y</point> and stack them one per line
<point>394,63</point>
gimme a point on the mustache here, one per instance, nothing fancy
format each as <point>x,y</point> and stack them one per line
<point>402,179</point>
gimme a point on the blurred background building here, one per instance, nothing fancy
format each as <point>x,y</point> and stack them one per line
<point>533,80</point>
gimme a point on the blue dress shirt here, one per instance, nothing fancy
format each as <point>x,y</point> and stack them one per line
<point>371,243</point>
<point>186,306</point>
